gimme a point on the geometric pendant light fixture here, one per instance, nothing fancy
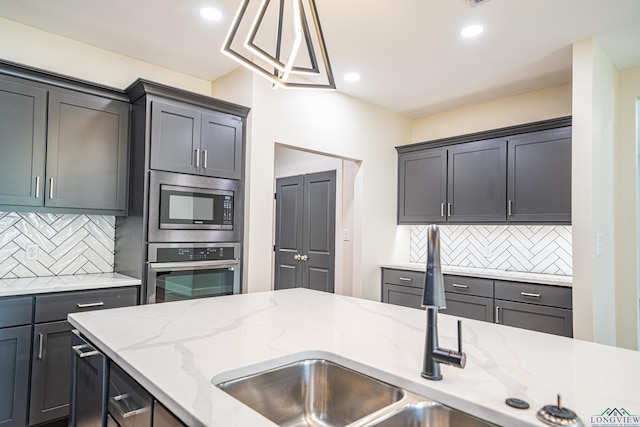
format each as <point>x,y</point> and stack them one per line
<point>282,41</point>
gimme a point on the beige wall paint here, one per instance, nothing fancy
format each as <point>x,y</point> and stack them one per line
<point>50,52</point>
<point>626,215</point>
<point>528,107</point>
<point>595,83</point>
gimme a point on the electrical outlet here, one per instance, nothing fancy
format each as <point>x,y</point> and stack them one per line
<point>346,235</point>
<point>488,253</point>
<point>32,252</point>
<point>599,244</point>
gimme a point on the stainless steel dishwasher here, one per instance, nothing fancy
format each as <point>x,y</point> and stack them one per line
<point>89,384</point>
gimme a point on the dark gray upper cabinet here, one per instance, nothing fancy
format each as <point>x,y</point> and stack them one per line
<point>520,174</point>
<point>64,143</point>
<point>22,143</point>
<point>175,136</point>
<point>539,171</point>
<point>87,152</point>
<point>195,141</point>
<point>477,182</point>
<point>422,190</point>
<point>221,144</point>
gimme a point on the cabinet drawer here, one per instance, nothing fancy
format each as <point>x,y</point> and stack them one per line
<point>403,277</point>
<point>552,296</point>
<point>56,306</point>
<point>15,311</point>
<point>468,285</point>
<point>129,403</point>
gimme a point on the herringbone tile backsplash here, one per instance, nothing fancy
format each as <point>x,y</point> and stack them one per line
<point>67,244</point>
<point>532,249</point>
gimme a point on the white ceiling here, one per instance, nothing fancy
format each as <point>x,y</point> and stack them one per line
<point>409,52</point>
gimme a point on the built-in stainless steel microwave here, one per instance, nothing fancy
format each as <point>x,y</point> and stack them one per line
<point>191,208</point>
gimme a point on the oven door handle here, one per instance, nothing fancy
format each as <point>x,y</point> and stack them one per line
<point>191,265</point>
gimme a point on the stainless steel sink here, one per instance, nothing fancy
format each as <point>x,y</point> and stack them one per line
<point>312,393</point>
<point>321,393</point>
<point>426,413</point>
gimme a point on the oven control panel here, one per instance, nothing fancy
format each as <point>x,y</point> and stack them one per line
<point>186,253</point>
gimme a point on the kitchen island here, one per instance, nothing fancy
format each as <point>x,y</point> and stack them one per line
<point>177,351</point>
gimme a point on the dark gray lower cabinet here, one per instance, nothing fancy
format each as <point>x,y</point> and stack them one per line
<point>163,418</point>
<point>542,308</point>
<point>50,372</point>
<point>471,307</point>
<point>552,320</point>
<point>402,295</point>
<point>15,350</point>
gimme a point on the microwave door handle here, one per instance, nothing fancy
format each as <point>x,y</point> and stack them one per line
<point>182,266</point>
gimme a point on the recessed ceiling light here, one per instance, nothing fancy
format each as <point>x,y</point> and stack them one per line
<point>211,13</point>
<point>352,77</point>
<point>472,31</point>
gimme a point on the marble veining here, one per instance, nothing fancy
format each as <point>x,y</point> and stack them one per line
<point>177,351</point>
<point>78,282</point>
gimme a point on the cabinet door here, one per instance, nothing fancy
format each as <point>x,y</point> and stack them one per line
<point>221,145</point>
<point>402,295</point>
<point>15,350</point>
<point>87,152</point>
<point>477,182</point>
<point>539,184</point>
<point>22,143</point>
<point>163,418</point>
<point>175,137</point>
<point>50,372</point>
<point>552,320</point>
<point>471,307</point>
<point>422,187</point>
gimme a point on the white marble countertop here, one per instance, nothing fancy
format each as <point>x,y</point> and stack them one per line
<point>38,285</point>
<point>518,276</point>
<point>175,349</point>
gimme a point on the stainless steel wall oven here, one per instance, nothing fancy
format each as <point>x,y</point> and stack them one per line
<point>179,271</point>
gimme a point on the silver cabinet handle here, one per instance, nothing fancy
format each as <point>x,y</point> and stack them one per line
<point>455,285</point>
<point>82,354</point>
<point>204,158</point>
<point>509,208</point>
<point>448,209</point>
<point>529,294</point>
<point>405,279</point>
<point>497,320</point>
<point>37,187</point>
<point>40,345</point>
<point>197,157</point>
<point>90,304</point>
<point>116,400</point>
<point>51,188</point>
<point>442,210</point>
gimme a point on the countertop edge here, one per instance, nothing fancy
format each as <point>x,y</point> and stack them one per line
<point>66,283</point>
<point>513,276</point>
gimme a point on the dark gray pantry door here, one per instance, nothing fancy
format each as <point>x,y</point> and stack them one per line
<point>305,231</point>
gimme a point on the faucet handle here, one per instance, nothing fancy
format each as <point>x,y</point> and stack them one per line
<point>458,358</point>
<point>460,336</point>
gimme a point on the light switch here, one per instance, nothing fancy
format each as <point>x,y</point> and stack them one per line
<point>599,244</point>
<point>346,234</point>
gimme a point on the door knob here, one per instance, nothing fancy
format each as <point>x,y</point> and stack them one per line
<point>297,257</point>
<point>304,258</point>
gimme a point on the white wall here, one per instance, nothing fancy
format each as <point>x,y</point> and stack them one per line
<point>544,104</point>
<point>593,148</point>
<point>626,215</point>
<point>339,126</point>
<point>29,46</point>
